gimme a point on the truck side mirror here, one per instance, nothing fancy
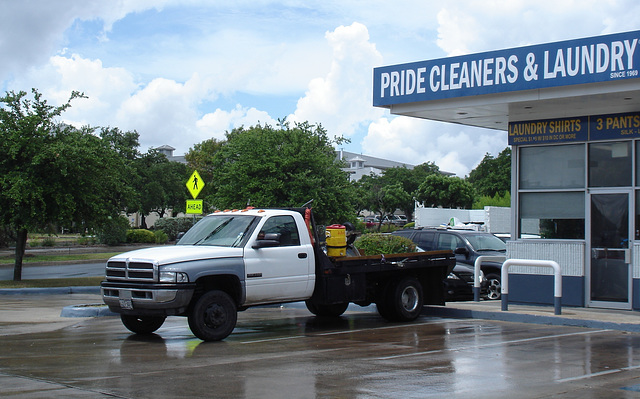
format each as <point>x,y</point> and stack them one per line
<point>461,251</point>
<point>268,240</point>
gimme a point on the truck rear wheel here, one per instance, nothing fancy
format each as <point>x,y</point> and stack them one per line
<point>333,310</point>
<point>142,324</point>
<point>404,300</point>
<point>213,317</point>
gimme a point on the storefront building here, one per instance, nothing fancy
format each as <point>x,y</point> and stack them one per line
<point>572,114</point>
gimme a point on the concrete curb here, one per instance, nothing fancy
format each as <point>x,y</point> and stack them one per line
<point>528,318</point>
<point>50,290</point>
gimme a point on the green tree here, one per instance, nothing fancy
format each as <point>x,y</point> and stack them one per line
<point>200,158</point>
<point>496,200</point>
<point>51,173</point>
<point>160,185</point>
<point>264,166</point>
<point>445,191</point>
<point>126,145</point>
<point>409,181</point>
<point>492,175</point>
<point>371,187</point>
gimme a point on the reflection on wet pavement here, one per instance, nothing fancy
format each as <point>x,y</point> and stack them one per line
<point>287,353</point>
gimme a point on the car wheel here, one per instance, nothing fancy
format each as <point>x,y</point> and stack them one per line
<point>494,290</point>
<point>142,324</point>
<point>213,317</point>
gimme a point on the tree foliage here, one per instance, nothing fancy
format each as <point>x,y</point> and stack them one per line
<point>492,175</point>
<point>496,200</point>
<point>200,158</point>
<point>160,185</point>
<point>287,166</point>
<point>51,173</point>
<point>408,180</point>
<point>445,191</point>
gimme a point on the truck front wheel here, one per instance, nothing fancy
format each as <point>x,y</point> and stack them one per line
<point>213,317</point>
<point>333,310</point>
<point>142,324</point>
<point>404,300</point>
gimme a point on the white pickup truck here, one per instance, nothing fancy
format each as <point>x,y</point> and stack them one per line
<point>232,260</point>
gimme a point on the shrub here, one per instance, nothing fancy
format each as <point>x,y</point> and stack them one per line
<point>173,226</point>
<point>34,243</point>
<point>409,225</point>
<point>161,237</point>
<point>86,240</point>
<point>113,231</point>
<point>377,244</point>
<point>141,236</point>
<point>48,242</point>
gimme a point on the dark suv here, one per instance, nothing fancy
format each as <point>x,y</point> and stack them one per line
<point>467,245</point>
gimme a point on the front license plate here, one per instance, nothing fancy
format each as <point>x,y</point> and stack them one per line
<point>126,304</point>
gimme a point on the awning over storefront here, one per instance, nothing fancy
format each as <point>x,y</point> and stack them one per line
<point>597,75</point>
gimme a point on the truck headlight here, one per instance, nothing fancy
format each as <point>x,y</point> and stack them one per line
<point>173,277</point>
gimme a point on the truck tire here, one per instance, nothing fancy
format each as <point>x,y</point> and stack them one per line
<point>142,324</point>
<point>404,300</point>
<point>334,310</point>
<point>213,317</point>
<point>381,302</point>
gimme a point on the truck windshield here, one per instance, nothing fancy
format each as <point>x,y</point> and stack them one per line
<point>486,242</point>
<point>222,231</point>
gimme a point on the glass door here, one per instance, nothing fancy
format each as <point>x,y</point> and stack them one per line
<point>610,275</point>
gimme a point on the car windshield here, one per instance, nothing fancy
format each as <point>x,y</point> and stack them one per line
<point>486,242</point>
<point>222,231</point>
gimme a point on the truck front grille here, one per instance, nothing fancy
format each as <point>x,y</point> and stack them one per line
<point>130,271</point>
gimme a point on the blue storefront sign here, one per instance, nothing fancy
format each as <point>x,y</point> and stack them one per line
<point>588,60</point>
<point>583,128</point>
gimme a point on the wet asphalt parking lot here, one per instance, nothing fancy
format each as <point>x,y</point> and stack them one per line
<point>285,352</point>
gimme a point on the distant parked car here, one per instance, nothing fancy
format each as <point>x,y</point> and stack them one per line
<point>397,220</point>
<point>467,245</point>
<point>371,221</point>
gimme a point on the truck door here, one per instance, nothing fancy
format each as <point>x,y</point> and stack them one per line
<point>282,273</point>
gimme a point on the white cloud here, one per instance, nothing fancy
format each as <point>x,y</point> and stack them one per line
<point>154,65</point>
<point>472,26</point>
<point>453,148</point>
<point>341,100</point>
<point>215,124</point>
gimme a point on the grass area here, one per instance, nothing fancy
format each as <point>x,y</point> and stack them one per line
<point>33,258</point>
<point>53,282</point>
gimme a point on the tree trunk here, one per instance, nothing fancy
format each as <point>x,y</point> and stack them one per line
<point>21,246</point>
<point>143,221</point>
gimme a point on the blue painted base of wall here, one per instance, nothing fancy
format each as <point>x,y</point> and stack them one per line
<point>538,289</point>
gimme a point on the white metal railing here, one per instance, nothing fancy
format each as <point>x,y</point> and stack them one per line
<point>557,288</point>
<point>476,272</point>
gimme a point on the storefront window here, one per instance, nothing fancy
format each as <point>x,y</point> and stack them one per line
<point>637,221</point>
<point>610,164</point>
<point>556,166</point>
<point>637,163</point>
<point>552,215</point>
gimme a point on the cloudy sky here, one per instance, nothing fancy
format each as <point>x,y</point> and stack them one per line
<point>182,71</point>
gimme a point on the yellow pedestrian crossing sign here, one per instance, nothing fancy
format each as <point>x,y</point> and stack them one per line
<point>195,184</point>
